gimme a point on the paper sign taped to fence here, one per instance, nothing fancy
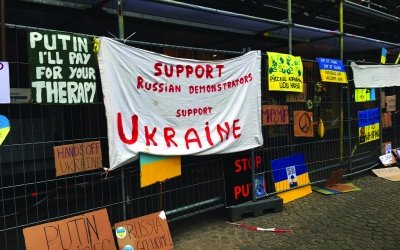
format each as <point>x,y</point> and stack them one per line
<point>87,231</point>
<point>4,128</point>
<point>387,120</point>
<point>387,159</point>
<point>303,124</point>
<point>78,157</point>
<point>291,172</point>
<point>332,70</point>
<point>285,72</point>
<point>390,103</point>
<point>4,83</point>
<point>275,114</point>
<point>368,125</point>
<point>364,95</point>
<point>162,105</point>
<point>391,174</point>
<point>297,97</point>
<point>147,232</point>
<point>157,168</point>
<point>63,68</point>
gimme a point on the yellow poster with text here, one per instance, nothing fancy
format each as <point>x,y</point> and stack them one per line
<point>368,133</point>
<point>285,72</point>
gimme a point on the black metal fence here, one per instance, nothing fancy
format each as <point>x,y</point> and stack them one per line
<point>31,193</point>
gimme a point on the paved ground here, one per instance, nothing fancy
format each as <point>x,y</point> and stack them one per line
<point>366,219</point>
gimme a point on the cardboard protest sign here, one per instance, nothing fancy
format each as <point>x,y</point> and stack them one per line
<point>285,72</point>
<point>290,172</point>
<point>332,70</point>
<point>297,97</point>
<point>386,148</point>
<point>275,114</point>
<point>62,68</point>
<point>303,124</point>
<point>87,231</point>
<point>4,83</point>
<point>237,173</point>
<point>387,159</point>
<point>368,125</point>
<point>364,95</point>
<point>4,128</point>
<point>391,174</point>
<point>390,103</point>
<point>78,157</point>
<point>161,105</point>
<point>147,232</point>
<point>155,168</point>
<point>387,120</point>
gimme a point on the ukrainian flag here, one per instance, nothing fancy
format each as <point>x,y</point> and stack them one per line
<point>290,173</point>
<point>156,168</point>
<point>383,55</point>
<point>4,128</point>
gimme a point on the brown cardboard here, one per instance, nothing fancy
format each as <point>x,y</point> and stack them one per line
<point>146,232</point>
<point>78,157</point>
<point>87,231</point>
<point>387,120</point>
<point>390,103</point>
<point>391,174</point>
<point>275,114</point>
<point>383,100</point>
<point>297,97</point>
<point>303,124</point>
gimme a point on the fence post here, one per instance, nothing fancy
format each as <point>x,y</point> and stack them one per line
<point>121,36</point>
<point>349,114</point>
<point>253,176</point>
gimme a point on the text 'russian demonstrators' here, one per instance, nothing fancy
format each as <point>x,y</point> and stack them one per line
<point>162,105</point>
<point>62,68</point>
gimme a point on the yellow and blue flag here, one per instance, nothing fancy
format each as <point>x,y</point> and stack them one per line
<point>383,55</point>
<point>4,128</point>
<point>291,172</point>
<point>332,70</point>
<point>157,168</point>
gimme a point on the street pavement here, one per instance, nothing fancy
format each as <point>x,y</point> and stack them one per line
<point>366,219</point>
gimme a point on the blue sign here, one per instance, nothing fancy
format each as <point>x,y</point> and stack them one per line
<point>368,117</point>
<point>330,64</point>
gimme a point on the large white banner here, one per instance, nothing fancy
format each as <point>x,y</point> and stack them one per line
<point>172,106</point>
<point>376,76</point>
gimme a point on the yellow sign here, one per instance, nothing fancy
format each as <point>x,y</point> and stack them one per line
<point>155,168</point>
<point>333,76</point>
<point>285,72</point>
<point>364,95</point>
<point>368,133</point>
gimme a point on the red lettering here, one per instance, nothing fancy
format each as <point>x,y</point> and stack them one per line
<point>258,161</point>
<point>196,139</point>
<point>179,70</point>
<point>157,67</point>
<point>171,68</point>
<point>219,67</point>
<point>238,166</point>
<point>189,70</point>
<point>209,70</point>
<point>243,190</point>
<point>121,133</point>
<point>169,133</point>
<point>220,130</point>
<point>199,70</point>
<point>150,136</point>
<point>139,84</point>
<point>208,134</point>
<point>234,128</point>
